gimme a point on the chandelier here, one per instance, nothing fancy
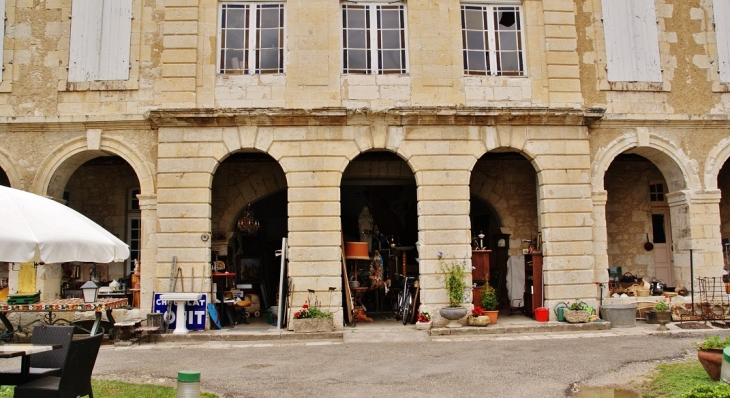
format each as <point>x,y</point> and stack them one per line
<point>248,224</point>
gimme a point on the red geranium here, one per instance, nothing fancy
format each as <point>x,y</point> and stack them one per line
<point>478,311</point>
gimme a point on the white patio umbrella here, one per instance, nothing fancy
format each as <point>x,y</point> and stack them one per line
<point>34,228</point>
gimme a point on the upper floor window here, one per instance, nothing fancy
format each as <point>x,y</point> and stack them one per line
<point>374,38</point>
<point>721,11</point>
<point>632,41</point>
<point>492,40</point>
<point>251,38</point>
<point>100,40</point>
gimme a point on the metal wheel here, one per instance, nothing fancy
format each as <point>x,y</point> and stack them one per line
<point>407,308</point>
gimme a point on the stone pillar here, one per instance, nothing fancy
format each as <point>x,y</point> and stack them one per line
<point>600,239</point>
<point>561,43</point>
<point>695,221</point>
<point>148,255</point>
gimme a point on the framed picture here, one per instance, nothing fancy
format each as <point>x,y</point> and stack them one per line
<point>249,269</point>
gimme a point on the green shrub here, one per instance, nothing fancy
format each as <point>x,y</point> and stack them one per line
<point>489,298</point>
<point>719,390</point>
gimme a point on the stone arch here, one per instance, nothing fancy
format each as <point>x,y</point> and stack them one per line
<point>57,168</point>
<point>716,158</point>
<point>678,169</point>
<point>8,164</point>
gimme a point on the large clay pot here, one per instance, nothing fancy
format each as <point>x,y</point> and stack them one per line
<point>711,360</point>
<point>453,314</point>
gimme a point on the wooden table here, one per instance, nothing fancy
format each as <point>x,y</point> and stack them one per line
<point>25,351</point>
<point>63,305</point>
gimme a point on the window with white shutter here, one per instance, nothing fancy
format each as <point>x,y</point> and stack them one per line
<point>100,40</point>
<point>632,43</point>
<point>721,9</point>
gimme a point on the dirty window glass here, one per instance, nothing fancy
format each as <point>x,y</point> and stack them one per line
<point>374,38</point>
<point>492,40</point>
<point>252,38</point>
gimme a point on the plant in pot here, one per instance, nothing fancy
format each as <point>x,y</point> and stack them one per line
<point>663,313</point>
<point>577,312</point>
<point>312,319</point>
<point>478,317</point>
<point>489,302</point>
<point>709,353</point>
<point>424,321</point>
<point>454,272</point>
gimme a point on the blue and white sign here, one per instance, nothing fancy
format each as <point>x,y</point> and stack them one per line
<point>194,312</point>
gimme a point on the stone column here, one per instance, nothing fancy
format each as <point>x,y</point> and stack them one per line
<point>600,239</point>
<point>148,253</point>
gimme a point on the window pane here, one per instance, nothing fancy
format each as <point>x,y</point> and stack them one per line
<point>507,41</point>
<point>473,19</point>
<point>356,59</point>
<point>234,18</point>
<point>355,19</point>
<point>234,39</point>
<point>390,19</point>
<point>474,40</point>
<point>391,60</point>
<point>390,39</point>
<point>508,61</point>
<point>356,39</point>
<point>476,61</point>
<point>269,38</point>
<point>234,60</point>
<point>269,59</point>
<point>269,18</point>
<point>507,20</point>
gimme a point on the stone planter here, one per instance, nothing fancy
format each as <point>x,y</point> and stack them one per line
<point>478,320</point>
<point>453,314</point>
<point>312,325</point>
<point>576,316</point>
<point>423,325</point>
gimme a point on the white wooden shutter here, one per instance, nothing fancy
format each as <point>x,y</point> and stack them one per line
<point>632,42</point>
<point>721,10</point>
<point>83,59</point>
<point>116,32</point>
<point>2,38</point>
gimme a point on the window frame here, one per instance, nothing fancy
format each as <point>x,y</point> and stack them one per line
<point>374,61</point>
<point>252,34</point>
<point>134,213</point>
<point>492,50</point>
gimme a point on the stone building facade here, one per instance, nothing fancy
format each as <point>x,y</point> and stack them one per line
<point>550,139</point>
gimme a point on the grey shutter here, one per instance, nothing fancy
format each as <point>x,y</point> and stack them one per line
<point>632,41</point>
<point>721,10</point>
<point>116,32</point>
<point>83,60</point>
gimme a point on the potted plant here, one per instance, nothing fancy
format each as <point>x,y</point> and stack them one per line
<point>424,321</point>
<point>577,312</point>
<point>312,319</point>
<point>709,353</point>
<point>478,317</point>
<point>663,315</point>
<point>489,302</point>
<point>455,285</point>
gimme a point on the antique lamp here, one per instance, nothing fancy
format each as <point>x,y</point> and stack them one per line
<point>90,290</point>
<point>248,224</point>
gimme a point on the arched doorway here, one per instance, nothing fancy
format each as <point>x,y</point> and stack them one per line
<point>104,189</point>
<point>723,183</point>
<point>504,209</point>
<point>4,180</point>
<point>637,212</point>
<point>382,184</point>
<point>250,183</point>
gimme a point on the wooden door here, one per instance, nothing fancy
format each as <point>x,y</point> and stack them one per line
<point>662,239</point>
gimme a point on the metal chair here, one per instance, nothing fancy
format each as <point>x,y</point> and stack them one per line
<point>75,378</point>
<point>46,363</point>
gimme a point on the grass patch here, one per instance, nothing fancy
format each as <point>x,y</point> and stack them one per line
<point>119,389</point>
<point>683,380</point>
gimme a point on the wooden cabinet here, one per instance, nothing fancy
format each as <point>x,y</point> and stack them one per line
<point>480,262</point>
<point>533,283</point>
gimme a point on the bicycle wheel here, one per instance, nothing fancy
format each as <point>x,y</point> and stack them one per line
<point>407,308</point>
<point>399,310</point>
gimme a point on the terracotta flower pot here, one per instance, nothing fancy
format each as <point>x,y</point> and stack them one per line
<point>493,315</point>
<point>711,360</point>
